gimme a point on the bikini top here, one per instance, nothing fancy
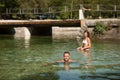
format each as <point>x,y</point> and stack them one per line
<point>84,41</point>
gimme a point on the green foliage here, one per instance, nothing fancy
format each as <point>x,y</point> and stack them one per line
<point>99,29</point>
<point>54,5</point>
<point>1,5</point>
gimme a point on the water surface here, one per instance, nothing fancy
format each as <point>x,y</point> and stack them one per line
<point>32,60</point>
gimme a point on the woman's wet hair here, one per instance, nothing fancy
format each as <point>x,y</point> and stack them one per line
<point>88,34</point>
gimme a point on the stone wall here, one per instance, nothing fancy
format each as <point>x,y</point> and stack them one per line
<point>22,32</point>
<point>73,32</point>
<point>65,32</point>
<point>113,33</point>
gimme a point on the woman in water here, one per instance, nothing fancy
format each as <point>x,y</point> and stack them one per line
<point>86,44</point>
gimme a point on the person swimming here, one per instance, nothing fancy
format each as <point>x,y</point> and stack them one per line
<point>65,61</point>
<point>66,57</point>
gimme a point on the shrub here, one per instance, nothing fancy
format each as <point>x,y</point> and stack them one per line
<point>99,29</point>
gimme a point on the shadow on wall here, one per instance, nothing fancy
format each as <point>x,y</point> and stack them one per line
<point>41,31</point>
<point>9,31</point>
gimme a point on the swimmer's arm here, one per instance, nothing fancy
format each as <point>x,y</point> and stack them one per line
<point>53,62</point>
<point>74,60</point>
<point>60,60</point>
<point>46,64</point>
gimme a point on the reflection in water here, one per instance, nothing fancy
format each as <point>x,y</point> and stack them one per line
<point>88,61</point>
<point>73,74</point>
<point>87,58</point>
<point>26,40</point>
<point>66,65</point>
<point>74,71</point>
<point>71,71</point>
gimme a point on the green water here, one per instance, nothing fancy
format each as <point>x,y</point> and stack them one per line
<point>26,60</point>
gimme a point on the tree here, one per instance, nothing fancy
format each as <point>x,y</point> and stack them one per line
<point>58,6</point>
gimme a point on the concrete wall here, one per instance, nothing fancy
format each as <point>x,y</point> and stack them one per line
<point>73,32</point>
<point>22,32</point>
<point>65,32</point>
<point>113,33</point>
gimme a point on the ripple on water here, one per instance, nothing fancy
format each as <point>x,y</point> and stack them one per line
<point>43,74</point>
<point>28,60</point>
<point>117,67</point>
<point>105,60</point>
<point>69,74</point>
<point>103,70</point>
<point>113,77</point>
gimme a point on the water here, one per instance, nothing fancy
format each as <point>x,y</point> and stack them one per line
<point>32,60</point>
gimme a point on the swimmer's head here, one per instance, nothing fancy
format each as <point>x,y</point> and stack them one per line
<point>66,56</point>
<point>86,33</point>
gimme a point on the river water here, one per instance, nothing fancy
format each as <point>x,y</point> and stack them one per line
<point>33,59</point>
